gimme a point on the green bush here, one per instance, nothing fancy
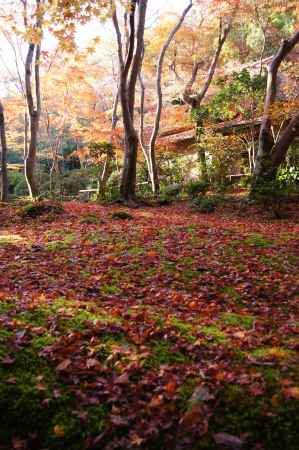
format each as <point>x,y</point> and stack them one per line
<point>122,215</point>
<point>196,187</point>
<point>17,184</point>
<point>288,176</point>
<point>271,195</point>
<point>207,204</point>
<point>173,190</point>
<point>36,209</point>
<point>112,187</point>
<point>73,181</point>
<point>170,193</point>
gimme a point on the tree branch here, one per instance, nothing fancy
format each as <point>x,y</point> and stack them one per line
<point>159,75</point>
<point>195,100</point>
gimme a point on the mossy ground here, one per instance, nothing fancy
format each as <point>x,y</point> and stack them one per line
<point>115,324</point>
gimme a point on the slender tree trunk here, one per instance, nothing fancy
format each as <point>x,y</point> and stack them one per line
<point>202,163</point>
<point>3,173</point>
<point>195,100</point>
<point>149,150</point>
<point>31,157</point>
<point>201,153</point>
<point>107,169</point>
<point>34,108</point>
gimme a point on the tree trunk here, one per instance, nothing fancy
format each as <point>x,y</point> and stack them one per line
<point>3,173</point>
<point>195,100</point>
<point>129,68</point>
<point>31,157</point>
<point>202,163</point>
<point>128,180</point>
<point>34,110</point>
<point>270,154</point>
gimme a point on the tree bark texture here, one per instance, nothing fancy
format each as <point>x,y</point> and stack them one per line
<point>3,173</point>
<point>271,154</point>
<point>128,69</point>
<point>34,109</point>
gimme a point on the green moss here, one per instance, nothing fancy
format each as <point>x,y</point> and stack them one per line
<point>214,332</point>
<point>36,209</point>
<point>271,375</point>
<point>77,322</point>
<point>89,219</point>
<point>162,353</point>
<point>275,426</point>
<point>150,272</point>
<point>241,267</point>
<point>258,240</point>
<point>135,251</point>
<point>187,260</point>
<point>110,289</point>
<point>278,353</point>
<point>231,292</point>
<point>37,317</point>
<point>5,334</point>
<point>63,244</point>
<point>9,239</point>
<point>96,419</point>
<point>183,327</point>
<point>3,351</point>
<point>186,390</point>
<point>190,274</point>
<point>190,228</point>
<point>122,215</point>
<point>65,427</point>
<point>5,306</point>
<point>39,342</point>
<point>293,259</point>
<point>236,242</point>
<point>169,266</point>
<point>238,320</point>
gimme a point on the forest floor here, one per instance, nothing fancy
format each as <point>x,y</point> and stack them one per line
<point>172,330</point>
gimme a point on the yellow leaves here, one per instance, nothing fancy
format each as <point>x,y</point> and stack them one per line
<point>33,35</point>
<point>59,431</point>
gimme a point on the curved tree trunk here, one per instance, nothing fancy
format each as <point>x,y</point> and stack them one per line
<point>195,100</point>
<point>3,172</point>
<point>128,69</point>
<point>149,150</point>
<point>270,154</point>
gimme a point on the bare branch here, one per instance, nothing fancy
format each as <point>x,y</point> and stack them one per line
<point>159,74</point>
<point>195,100</point>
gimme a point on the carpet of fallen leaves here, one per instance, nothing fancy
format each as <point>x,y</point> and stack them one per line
<point>172,330</point>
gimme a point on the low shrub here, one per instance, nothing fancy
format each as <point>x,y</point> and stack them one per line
<point>272,195</point>
<point>17,184</point>
<point>288,176</point>
<point>36,209</point>
<point>207,204</point>
<point>122,215</point>
<point>172,190</point>
<point>196,187</point>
